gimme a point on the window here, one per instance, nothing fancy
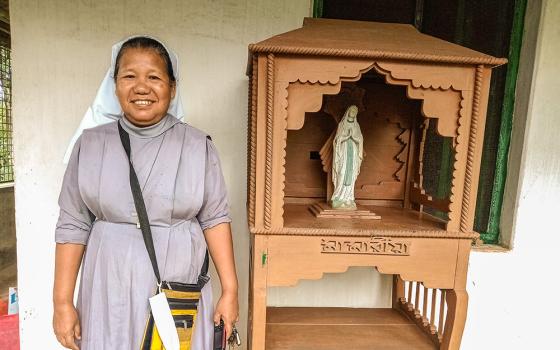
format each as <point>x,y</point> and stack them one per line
<point>6,145</point>
<point>493,27</point>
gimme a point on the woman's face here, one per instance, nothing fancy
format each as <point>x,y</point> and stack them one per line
<point>144,89</point>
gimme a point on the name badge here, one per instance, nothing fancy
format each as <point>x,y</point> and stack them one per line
<point>164,322</point>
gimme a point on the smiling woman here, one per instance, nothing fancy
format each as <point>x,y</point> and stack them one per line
<point>145,83</point>
<point>178,175</point>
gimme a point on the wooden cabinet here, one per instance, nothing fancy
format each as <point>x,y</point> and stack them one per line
<point>422,104</point>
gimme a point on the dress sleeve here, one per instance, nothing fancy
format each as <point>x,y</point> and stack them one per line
<point>215,208</point>
<point>75,219</point>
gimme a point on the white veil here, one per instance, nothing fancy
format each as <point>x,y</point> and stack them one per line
<point>106,108</point>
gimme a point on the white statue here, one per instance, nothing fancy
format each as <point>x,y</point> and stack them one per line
<point>348,148</point>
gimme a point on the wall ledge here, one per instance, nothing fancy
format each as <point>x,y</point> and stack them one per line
<point>490,248</point>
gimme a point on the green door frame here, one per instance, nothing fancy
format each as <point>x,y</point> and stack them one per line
<point>317,8</point>
<point>492,233</point>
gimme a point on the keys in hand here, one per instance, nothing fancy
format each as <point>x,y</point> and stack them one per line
<point>234,338</point>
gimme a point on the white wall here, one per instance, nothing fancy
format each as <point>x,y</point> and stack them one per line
<point>513,295</point>
<point>60,52</point>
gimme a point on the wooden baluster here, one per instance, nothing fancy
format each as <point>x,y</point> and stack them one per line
<point>441,312</point>
<point>455,317</point>
<point>417,299</point>
<point>425,306</point>
<point>433,313</point>
<point>409,300</point>
<point>398,291</point>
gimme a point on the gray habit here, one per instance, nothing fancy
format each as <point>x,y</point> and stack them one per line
<point>183,187</point>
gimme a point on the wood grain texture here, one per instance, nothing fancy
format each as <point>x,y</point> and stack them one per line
<point>341,328</point>
<point>393,219</point>
<point>257,302</point>
<point>287,255</point>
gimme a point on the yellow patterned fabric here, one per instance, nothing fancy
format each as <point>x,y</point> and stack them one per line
<point>183,301</point>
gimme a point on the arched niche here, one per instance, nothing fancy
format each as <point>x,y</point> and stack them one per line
<point>444,91</point>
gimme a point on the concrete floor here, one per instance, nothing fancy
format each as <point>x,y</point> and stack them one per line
<point>8,261</point>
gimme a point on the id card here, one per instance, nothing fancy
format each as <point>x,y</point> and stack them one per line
<point>164,321</point>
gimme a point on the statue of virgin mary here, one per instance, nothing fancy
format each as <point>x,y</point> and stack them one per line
<point>348,154</point>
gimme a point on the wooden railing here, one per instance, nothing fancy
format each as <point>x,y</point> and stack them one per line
<point>425,306</point>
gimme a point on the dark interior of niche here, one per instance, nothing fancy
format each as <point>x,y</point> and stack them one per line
<point>386,114</point>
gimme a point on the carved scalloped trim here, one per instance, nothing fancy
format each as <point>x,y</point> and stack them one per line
<point>415,90</point>
<point>319,81</point>
<point>421,78</point>
<point>326,153</point>
<point>332,72</point>
<point>432,85</point>
<point>302,275</point>
<point>355,76</point>
<point>313,101</point>
<point>429,108</point>
<point>404,145</point>
<point>283,100</point>
<point>454,203</point>
<point>309,276</point>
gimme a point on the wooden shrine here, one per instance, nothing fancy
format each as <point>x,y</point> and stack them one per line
<point>416,95</point>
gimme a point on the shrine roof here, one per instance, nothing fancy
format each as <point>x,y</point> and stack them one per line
<point>360,39</point>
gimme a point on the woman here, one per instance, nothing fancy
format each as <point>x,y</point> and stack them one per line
<point>348,154</point>
<point>182,184</point>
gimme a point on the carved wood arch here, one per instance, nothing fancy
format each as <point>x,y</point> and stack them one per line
<point>440,88</point>
<point>308,79</point>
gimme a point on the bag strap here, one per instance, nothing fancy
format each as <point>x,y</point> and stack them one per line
<point>143,214</point>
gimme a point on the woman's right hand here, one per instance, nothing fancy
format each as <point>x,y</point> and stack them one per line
<point>66,325</point>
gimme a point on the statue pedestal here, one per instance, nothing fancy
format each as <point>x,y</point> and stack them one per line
<point>323,210</point>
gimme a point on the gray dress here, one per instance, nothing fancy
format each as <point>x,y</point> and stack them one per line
<point>183,187</point>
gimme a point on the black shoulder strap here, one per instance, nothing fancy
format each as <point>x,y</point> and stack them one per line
<point>139,204</point>
<point>143,214</point>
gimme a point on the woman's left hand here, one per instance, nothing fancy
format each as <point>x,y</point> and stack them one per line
<point>220,246</point>
<point>227,309</point>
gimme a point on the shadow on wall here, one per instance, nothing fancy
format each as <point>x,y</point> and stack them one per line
<point>8,260</point>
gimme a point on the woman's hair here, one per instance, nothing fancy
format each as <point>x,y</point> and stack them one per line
<point>142,42</point>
